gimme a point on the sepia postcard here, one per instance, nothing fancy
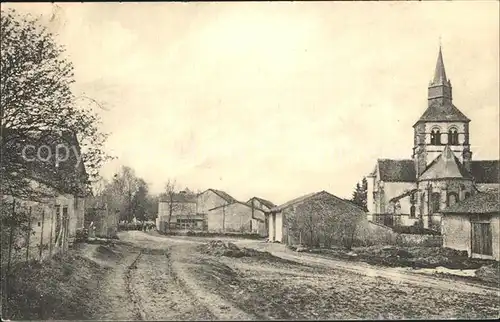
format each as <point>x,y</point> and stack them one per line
<point>301,160</point>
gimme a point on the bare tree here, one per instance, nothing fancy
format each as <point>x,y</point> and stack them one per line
<point>324,221</point>
<point>169,192</point>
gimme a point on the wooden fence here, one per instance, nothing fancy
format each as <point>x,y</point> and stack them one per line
<point>33,231</point>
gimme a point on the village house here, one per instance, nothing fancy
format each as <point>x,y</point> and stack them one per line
<point>212,198</point>
<point>211,210</point>
<point>181,209</point>
<point>299,219</point>
<point>263,204</point>
<point>441,172</point>
<point>237,217</point>
<point>473,225</point>
<point>54,197</point>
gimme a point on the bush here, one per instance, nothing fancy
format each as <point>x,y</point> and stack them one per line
<point>82,234</point>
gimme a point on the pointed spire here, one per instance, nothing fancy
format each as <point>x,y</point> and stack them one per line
<point>440,73</point>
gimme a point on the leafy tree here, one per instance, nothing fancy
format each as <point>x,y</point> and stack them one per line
<point>140,201</point>
<point>37,102</point>
<point>360,194</point>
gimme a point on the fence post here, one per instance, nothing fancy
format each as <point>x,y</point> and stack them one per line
<point>41,234</point>
<point>11,235</point>
<point>51,230</point>
<point>66,239</point>
<point>29,236</point>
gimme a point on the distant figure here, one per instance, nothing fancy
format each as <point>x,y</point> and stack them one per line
<point>92,229</point>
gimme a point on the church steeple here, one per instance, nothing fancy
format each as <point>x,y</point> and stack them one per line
<point>439,73</point>
<point>440,86</point>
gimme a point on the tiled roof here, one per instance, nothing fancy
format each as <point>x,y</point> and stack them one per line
<point>445,166</point>
<point>265,202</point>
<point>438,112</point>
<point>340,203</point>
<point>481,203</point>
<point>397,170</point>
<point>486,171</point>
<point>224,195</point>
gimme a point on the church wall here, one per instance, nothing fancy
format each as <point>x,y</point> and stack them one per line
<point>445,187</point>
<point>394,189</point>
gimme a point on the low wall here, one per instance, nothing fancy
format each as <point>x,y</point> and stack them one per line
<point>370,233</point>
<point>419,240</point>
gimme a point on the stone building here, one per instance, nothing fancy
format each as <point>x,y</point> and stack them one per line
<point>473,225</point>
<point>441,172</point>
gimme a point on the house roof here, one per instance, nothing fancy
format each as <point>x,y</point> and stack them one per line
<point>265,202</point>
<point>20,159</point>
<point>480,203</point>
<point>442,112</point>
<point>486,171</point>
<point>222,194</point>
<point>445,166</point>
<point>396,170</point>
<point>344,203</point>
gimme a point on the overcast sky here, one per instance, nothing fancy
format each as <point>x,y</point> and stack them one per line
<point>275,99</point>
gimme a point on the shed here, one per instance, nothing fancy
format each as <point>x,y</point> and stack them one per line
<point>473,225</point>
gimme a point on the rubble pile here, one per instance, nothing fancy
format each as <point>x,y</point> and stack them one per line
<point>224,248</point>
<point>489,273</point>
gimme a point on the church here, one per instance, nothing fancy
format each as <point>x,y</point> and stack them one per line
<point>440,173</point>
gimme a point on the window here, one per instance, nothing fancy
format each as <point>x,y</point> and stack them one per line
<point>452,198</point>
<point>412,211</point>
<point>436,196</point>
<point>435,137</point>
<point>467,195</point>
<point>453,136</point>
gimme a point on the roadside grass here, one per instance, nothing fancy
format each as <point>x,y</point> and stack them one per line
<point>487,271</point>
<point>417,257</point>
<point>58,288</point>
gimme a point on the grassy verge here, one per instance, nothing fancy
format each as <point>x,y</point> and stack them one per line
<point>56,289</point>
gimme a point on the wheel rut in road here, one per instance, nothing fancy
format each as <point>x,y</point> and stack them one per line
<point>157,292</point>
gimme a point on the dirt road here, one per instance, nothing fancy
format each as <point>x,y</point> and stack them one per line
<point>166,278</point>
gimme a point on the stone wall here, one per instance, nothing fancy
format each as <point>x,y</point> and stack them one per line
<point>419,240</point>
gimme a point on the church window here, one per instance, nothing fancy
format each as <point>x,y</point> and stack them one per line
<point>413,198</point>
<point>435,201</point>
<point>453,136</point>
<point>452,198</point>
<point>435,137</point>
<point>412,211</point>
